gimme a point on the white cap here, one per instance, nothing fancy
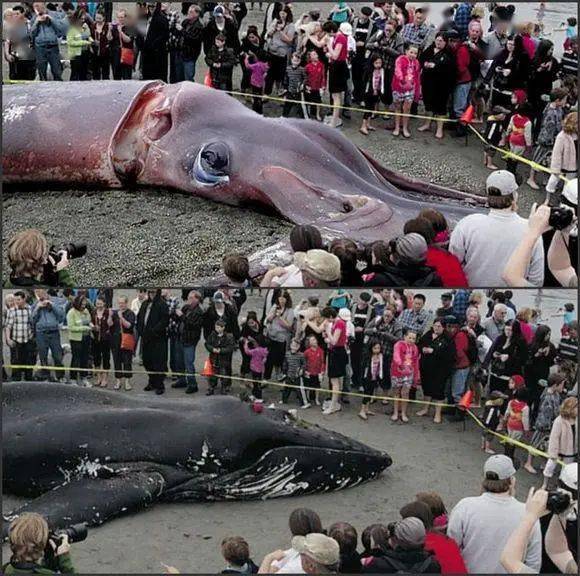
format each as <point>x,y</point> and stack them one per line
<point>502,180</point>
<point>344,314</point>
<point>346,29</point>
<point>499,465</point>
<point>319,547</point>
<point>569,476</point>
<point>570,191</point>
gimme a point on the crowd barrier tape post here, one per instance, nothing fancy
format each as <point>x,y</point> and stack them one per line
<point>169,374</point>
<point>506,153</point>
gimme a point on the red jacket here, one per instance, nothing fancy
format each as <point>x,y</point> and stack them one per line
<point>462,60</point>
<point>447,266</point>
<point>446,552</point>
<point>461,340</point>
<point>405,361</point>
<point>314,361</point>
<point>315,75</point>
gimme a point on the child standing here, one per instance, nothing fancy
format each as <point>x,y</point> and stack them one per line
<point>494,134</point>
<point>517,420</point>
<point>293,369</point>
<point>519,134</point>
<point>221,347</point>
<point>404,372</point>
<point>406,87</point>
<point>315,83</point>
<point>221,61</point>
<point>314,368</point>
<point>374,92</point>
<point>294,85</point>
<point>258,68</point>
<point>258,354</point>
<point>491,418</point>
<point>372,376</point>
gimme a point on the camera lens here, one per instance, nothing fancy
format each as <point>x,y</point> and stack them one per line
<point>558,502</point>
<point>76,532</point>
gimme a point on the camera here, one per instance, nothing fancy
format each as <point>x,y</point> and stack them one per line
<point>561,217</point>
<point>558,501</point>
<point>75,533</point>
<point>72,251</point>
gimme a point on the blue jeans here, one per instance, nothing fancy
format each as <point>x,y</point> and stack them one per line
<point>175,68</point>
<point>458,381</point>
<point>189,70</point>
<point>45,56</point>
<point>49,341</point>
<point>189,358</point>
<point>461,98</point>
<point>176,362</point>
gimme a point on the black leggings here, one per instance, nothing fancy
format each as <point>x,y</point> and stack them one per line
<point>370,387</point>
<point>276,352</point>
<point>312,382</point>
<point>80,358</point>
<point>276,72</point>
<point>256,386</point>
<point>102,354</point>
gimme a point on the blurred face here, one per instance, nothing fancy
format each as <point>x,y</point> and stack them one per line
<point>283,15</point>
<point>508,331</point>
<point>438,328</point>
<point>219,43</point>
<point>10,301</point>
<point>410,337</point>
<point>294,346</point>
<point>420,18</point>
<point>41,295</point>
<point>500,314</point>
<point>19,302</point>
<point>510,45</point>
<point>151,294</point>
<point>295,61</point>
<point>253,38</point>
<point>376,349</point>
<point>121,17</point>
<point>440,43</point>
<point>418,304</point>
<point>472,317</point>
<point>412,53</point>
<point>192,13</point>
<point>122,304</point>
<point>378,64</point>
<point>252,324</point>
<point>282,301</point>
<point>219,329</point>
<point>83,305</point>
<point>313,56</point>
<point>39,8</point>
<point>388,316</point>
<point>313,342</point>
<point>475,34</point>
<point>99,304</point>
<point>389,27</point>
<point>99,18</point>
<point>573,333</point>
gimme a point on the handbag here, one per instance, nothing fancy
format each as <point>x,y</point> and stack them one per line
<point>128,341</point>
<point>127,56</point>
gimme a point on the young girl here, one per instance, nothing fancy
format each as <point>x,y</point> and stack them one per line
<point>519,134</point>
<point>315,83</point>
<point>258,68</point>
<point>494,134</point>
<point>563,443</point>
<point>404,372</point>
<point>548,411</point>
<point>491,418</point>
<point>374,91</point>
<point>314,368</point>
<point>372,376</point>
<point>564,162</point>
<point>517,420</point>
<point>293,370</point>
<point>257,354</point>
<point>406,87</point>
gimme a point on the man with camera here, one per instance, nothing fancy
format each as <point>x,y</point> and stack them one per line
<point>46,31</point>
<point>35,550</point>
<point>558,512</point>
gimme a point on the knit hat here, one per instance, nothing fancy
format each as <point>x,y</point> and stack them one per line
<point>366,10</point>
<point>521,96</point>
<point>365,296</point>
<point>411,248</point>
<point>410,533</point>
<point>218,296</point>
<point>518,381</point>
<point>320,264</point>
<point>218,11</point>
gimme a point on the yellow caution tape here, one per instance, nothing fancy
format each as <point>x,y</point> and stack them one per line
<point>503,439</point>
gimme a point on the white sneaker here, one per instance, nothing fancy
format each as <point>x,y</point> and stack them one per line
<point>331,410</point>
<point>306,406</point>
<point>326,404</point>
<point>86,383</point>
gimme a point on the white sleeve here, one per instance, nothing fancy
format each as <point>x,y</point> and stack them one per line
<point>533,557</point>
<point>457,243</point>
<point>536,268</point>
<point>455,525</point>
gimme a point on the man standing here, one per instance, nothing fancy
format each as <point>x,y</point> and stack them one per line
<point>47,28</point>
<point>155,48</point>
<point>484,242</point>
<point>152,323</point>
<point>192,31</point>
<point>494,325</point>
<point>417,318</point>
<point>362,30</point>
<point>19,336</point>
<point>47,318</point>
<point>482,524</point>
<point>419,32</point>
<point>192,316</point>
<point>176,362</point>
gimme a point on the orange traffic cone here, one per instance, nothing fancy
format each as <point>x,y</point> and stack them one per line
<point>207,368</point>
<point>467,116</point>
<point>465,402</point>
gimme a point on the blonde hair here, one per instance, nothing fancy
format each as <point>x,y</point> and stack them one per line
<point>28,537</point>
<point>570,123</point>
<point>569,408</point>
<point>27,253</point>
<point>524,314</point>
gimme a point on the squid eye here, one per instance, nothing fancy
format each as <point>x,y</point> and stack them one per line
<point>212,164</point>
<point>347,207</point>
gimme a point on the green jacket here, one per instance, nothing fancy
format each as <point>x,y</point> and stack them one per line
<point>78,324</point>
<point>65,566</point>
<point>75,42</point>
<point>65,280</point>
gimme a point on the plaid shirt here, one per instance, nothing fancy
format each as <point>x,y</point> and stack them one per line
<point>462,18</point>
<point>174,321</point>
<point>461,304</point>
<point>19,324</point>
<point>416,321</point>
<point>421,36</point>
<point>175,37</point>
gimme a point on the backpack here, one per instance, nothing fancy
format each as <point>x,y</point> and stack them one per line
<point>401,568</point>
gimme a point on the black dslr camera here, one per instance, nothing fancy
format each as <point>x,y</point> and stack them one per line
<point>75,533</point>
<point>561,217</point>
<point>558,501</point>
<point>72,251</point>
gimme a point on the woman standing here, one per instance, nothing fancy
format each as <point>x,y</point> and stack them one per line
<point>102,319</point>
<point>406,87</point>
<point>78,320</point>
<point>405,372</point>
<point>509,71</point>
<point>78,40</point>
<point>564,159</point>
<point>251,330</point>
<point>280,325</point>
<point>437,78</point>
<point>436,364</point>
<point>123,344</point>
<point>279,43</point>
<point>541,358</point>
<point>101,48</point>
<point>543,73</point>
<point>338,73</point>
<point>507,356</point>
<point>336,338</point>
<point>373,373</point>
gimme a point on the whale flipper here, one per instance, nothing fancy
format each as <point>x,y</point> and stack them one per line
<point>94,500</point>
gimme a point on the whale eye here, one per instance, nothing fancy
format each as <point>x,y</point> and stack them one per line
<point>212,164</point>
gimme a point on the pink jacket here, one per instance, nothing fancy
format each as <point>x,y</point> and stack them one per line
<point>257,356</point>
<point>406,361</point>
<point>407,76</point>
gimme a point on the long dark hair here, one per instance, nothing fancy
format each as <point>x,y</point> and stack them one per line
<point>539,340</point>
<point>543,52</point>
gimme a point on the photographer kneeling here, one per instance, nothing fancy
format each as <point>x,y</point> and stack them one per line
<point>560,508</point>
<point>34,263</point>
<point>30,539</point>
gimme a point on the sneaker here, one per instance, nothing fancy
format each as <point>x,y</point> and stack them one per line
<point>160,391</point>
<point>332,410</point>
<point>86,383</point>
<point>148,388</point>
<point>306,406</point>
<point>128,387</point>
<point>179,384</point>
<point>191,390</point>
<point>209,393</point>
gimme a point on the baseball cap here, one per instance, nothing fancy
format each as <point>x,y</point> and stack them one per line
<point>346,29</point>
<point>218,11</point>
<point>447,296</point>
<point>503,181</point>
<point>450,320</point>
<point>344,314</point>
<point>569,476</point>
<point>319,547</point>
<point>411,248</point>
<point>500,465</point>
<point>218,296</point>
<point>410,533</point>
<point>570,191</point>
<point>320,264</point>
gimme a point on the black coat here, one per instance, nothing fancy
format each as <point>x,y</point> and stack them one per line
<point>404,562</point>
<point>192,34</point>
<point>437,366</point>
<point>155,50</point>
<point>154,334</point>
<point>404,276</point>
<point>230,317</point>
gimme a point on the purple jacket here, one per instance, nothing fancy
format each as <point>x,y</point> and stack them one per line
<point>258,357</point>
<point>258,70</point>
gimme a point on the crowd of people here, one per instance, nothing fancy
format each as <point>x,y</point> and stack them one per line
<point>492,533</point>
<point>384,347</point>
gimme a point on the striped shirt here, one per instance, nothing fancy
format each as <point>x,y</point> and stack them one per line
<point>568,349</point>
<point>293,365</point>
